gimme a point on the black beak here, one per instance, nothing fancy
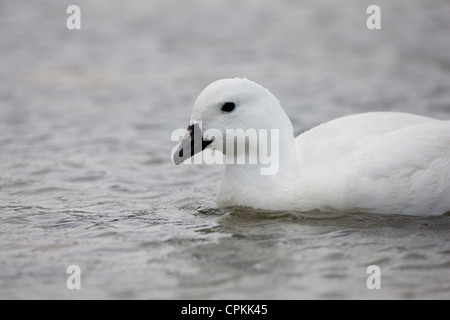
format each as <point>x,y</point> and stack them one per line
<point>191,144</point>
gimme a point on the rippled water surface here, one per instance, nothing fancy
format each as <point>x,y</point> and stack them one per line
<point>85,171</point>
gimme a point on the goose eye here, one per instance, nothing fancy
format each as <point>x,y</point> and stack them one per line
<point>228,107</point>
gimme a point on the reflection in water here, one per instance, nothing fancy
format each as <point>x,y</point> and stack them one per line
<point>314,253</point>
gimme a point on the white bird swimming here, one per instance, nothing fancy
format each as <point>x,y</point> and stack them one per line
<point>379,162</point>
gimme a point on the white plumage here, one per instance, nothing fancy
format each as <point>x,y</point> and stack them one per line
<point>381,162</point>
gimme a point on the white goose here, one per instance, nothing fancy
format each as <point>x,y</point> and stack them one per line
<point>381,162</point>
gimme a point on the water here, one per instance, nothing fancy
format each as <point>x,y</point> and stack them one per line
<point>85,124</point>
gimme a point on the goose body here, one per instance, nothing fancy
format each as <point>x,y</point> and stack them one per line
<point>379,162</point>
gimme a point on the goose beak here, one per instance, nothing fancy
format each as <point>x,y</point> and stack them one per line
<point>191,144</point>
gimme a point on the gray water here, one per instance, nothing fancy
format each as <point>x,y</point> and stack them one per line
<point>85,172</point>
